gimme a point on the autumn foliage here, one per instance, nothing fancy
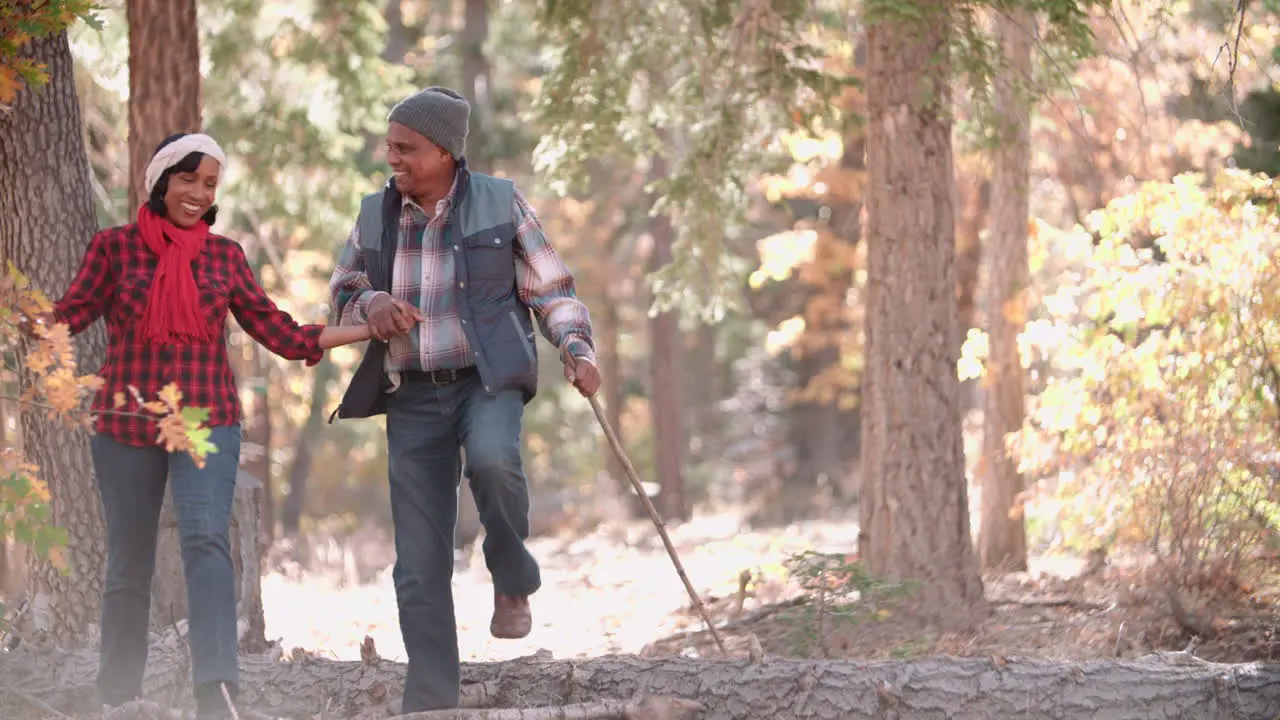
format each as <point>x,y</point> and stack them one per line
<point>22,20</point>
<point>1155,357</point>
<point>52,384</point>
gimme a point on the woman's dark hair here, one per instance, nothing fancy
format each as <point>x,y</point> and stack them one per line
<point>185,165</point>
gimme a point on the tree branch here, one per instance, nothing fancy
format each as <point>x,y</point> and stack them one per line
<point>80,409</point>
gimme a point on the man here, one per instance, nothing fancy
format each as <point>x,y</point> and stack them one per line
<point>445,266</point>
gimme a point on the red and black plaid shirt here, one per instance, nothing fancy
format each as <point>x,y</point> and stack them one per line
<point>115,279</point>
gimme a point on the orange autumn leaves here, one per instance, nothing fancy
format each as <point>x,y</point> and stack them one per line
<point>50,383</point>
<point>54,385</point>
<point>180,427</point>
<point>20,22</point>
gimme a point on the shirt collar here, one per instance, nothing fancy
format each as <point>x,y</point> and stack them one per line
<point>442,206</point>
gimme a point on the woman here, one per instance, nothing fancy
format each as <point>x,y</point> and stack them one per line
<point>165,285</point>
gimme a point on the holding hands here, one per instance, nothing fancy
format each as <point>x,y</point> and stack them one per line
<point>390,317</point>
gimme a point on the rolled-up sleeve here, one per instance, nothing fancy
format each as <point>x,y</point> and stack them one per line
<point>350,291</point>
<point>547,286</point>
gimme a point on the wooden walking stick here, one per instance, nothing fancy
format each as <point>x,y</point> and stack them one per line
<point>654,516</point>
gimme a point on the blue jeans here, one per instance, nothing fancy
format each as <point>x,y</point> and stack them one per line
<point>427,425</point>
<point>132,481</point>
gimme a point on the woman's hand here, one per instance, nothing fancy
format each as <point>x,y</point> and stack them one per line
<point>28,324</point>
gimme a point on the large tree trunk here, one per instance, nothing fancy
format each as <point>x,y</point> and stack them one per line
<point>914,504</point>
<point>973,195</point>
<point>1003,537</point>
<point>935,688</point>
<point>164,80</point>
<point>475,81</point>
<point>46,222</point>
<point>665,403</point>
<point>702,380</point>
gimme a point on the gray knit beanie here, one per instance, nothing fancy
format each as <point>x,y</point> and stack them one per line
<point>438,114</point>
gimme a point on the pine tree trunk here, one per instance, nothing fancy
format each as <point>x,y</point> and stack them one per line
<point>1003,538</point>
<point>975,201</point>
<point>914,505</point>
<point>164,80</point>
<point>475,82</point>
<point>665,405</point>
<point>973,195</point>
<point>46,222</point>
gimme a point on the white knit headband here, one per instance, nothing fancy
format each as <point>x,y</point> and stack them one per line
<point>172,154</point>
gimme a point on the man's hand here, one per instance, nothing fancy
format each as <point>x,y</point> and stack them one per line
<point>582,373</point>
<point>390,317</point>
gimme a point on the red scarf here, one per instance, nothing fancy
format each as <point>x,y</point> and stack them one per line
<point>173,308</point>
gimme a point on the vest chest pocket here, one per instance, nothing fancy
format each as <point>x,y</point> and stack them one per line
<point>490,256</point>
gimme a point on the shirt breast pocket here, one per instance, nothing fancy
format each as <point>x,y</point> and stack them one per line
<point>215,298</point>
<point>130,302</point>
<point>490,256</point>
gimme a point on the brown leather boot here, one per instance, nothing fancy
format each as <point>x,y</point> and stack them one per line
<point>511,617</point>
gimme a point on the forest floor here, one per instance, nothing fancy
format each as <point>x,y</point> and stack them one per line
<point>615,591</point>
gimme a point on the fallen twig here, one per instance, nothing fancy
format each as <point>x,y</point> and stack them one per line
<point>226,697</point>
<point>754,616</point>
<point>652,707</point>
<point>732,626</point>
<point>767,611</point>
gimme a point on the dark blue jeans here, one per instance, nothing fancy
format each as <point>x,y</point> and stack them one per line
<point>132,482</point>
<point>427,425</point>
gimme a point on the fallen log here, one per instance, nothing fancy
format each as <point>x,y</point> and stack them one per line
<point>1170,685</point>
<point>652,707</point>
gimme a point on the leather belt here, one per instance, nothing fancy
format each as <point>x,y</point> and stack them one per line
<point>438,377</point>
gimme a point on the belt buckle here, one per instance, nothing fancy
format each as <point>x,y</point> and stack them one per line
<point>443,377</point>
